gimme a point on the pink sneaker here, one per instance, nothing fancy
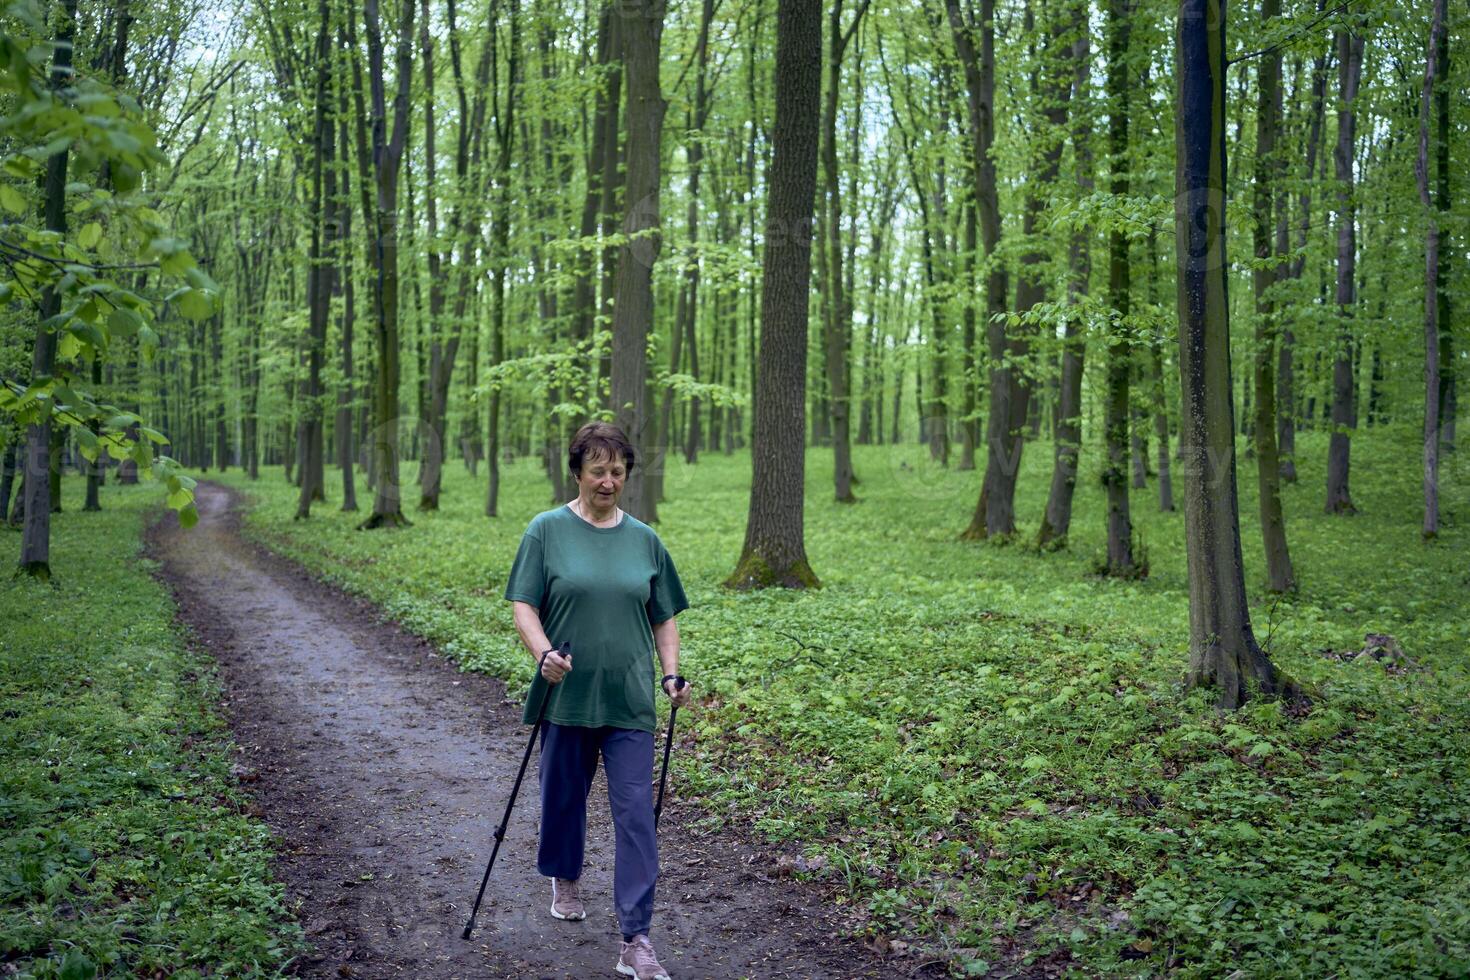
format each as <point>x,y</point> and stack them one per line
<point>638,960</point>
<point>566,903</point>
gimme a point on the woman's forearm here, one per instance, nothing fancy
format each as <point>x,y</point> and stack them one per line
<point>528,625</point>
<point>666,641</point>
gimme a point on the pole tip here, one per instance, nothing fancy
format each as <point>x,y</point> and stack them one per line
<point>469,928</point>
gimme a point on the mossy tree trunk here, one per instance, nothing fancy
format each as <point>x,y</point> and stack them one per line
<point>774,553</point>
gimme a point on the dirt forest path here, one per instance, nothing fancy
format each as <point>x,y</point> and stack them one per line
<point>385,770</point>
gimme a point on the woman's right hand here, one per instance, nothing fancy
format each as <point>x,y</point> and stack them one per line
<point>554,666</point>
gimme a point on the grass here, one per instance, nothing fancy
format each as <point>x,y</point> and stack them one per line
<point>125,850</point>
<point>988,751</point>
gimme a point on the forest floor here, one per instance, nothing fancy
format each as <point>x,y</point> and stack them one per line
<point>384,769</point>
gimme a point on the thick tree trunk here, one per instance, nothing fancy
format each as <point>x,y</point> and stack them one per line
<point>387,158</point>
<point>1120,561</point>
<point>642,31</point>
<point>1223,651</point>
<point>774,553</point>
<point>1349,71</point>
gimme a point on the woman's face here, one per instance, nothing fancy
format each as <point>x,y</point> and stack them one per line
<point>600,483</point>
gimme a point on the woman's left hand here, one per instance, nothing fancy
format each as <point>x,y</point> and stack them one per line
<point>678,695</point>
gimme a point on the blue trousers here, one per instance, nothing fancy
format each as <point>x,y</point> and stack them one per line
<point>568,763</point>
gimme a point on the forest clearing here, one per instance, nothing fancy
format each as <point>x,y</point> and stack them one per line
<point>1022,436</point>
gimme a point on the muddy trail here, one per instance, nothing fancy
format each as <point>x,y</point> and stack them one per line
<point>385,770</point>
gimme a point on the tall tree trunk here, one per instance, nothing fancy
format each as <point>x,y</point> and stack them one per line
<point>1223,651</point>
<point>642,30</point>
<point>387,158</point>
<point>114,60</point>
<point>1056,522</point>
<point>995,510</point>
<point>684,329</point>
<point>837,324</point>
<point>35,546</point>
<point>1053,90</point>
<point>1349,71</point>
<point>604,115</point>
<point>1448,373</point>
<point>320,273</point>
<point>1433,283</point>
<point>612,184</point>
<point>775,550</point>
<point>1268,173</point>
<point>443,342</point>
<point>1120,349</point>
<point>346,444</point>
<point>1286,393</point>
<point>500,257</point>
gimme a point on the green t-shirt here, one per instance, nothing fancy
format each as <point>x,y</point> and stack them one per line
<point>600,589</point>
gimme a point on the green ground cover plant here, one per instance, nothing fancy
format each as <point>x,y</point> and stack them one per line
<point>125,848</point>
<point>988,751</point>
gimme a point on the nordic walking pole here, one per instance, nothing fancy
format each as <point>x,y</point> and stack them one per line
<point>658,808</point>
<point>565,650</point>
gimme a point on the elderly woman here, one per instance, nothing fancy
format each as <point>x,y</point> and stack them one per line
<point>593,576</point>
